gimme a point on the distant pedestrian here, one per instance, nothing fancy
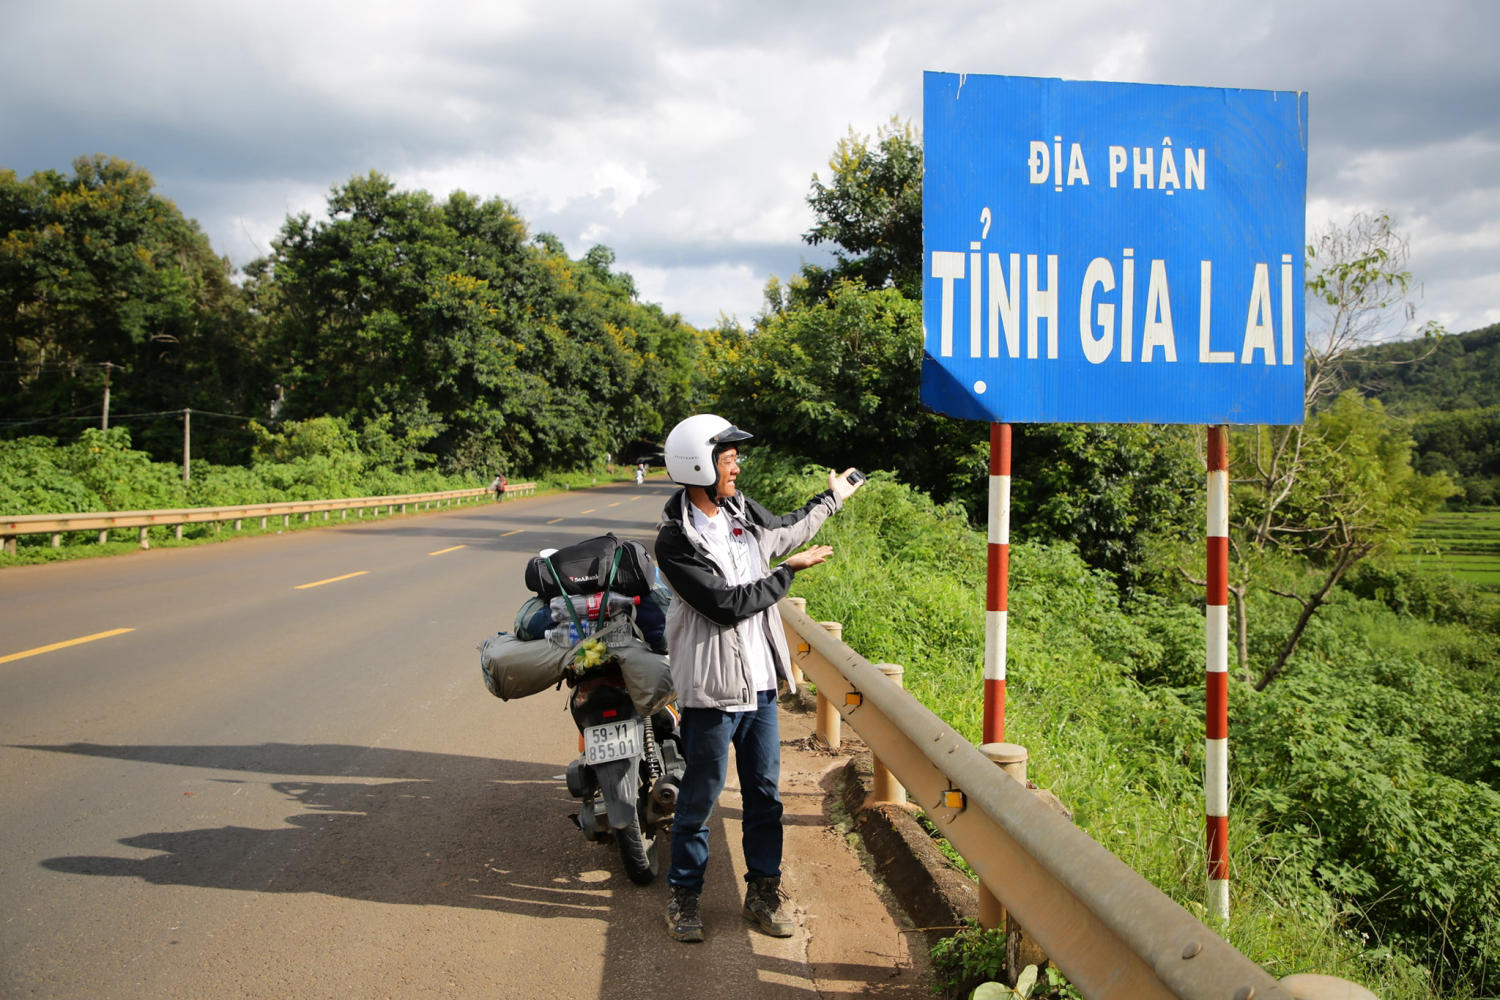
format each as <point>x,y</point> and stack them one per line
<point>499,487</point>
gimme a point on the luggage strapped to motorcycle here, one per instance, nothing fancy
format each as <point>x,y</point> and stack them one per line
<point>603,598</point>
<point>644,671</point>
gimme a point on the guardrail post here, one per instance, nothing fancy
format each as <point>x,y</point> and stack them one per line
<point>830,722</point>
<point>886,787</point>
<point>800,603</point>
<point>103,536</point>
<point>1012,760</point>
<point>145,540</point>
<point>1020,949</point>
<point>56,541</point>
<point>178,531</point>
<point>10,545</point>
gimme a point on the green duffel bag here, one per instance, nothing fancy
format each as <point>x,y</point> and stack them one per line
<point>648,678</point>
<point>515,668</point>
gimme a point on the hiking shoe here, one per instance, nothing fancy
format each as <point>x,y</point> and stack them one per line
<point>683,922</point>
<point>765,906</point>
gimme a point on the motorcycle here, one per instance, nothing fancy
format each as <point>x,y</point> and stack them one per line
<point>627,773</point>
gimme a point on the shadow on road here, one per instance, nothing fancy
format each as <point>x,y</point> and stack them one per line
<point>421,828</point>
<point>392,826</point>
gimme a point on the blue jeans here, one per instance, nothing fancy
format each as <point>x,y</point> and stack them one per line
<point>707,735</point>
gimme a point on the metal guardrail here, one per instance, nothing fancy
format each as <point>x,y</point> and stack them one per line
<point>1111,932</point>
<point>14,525</point>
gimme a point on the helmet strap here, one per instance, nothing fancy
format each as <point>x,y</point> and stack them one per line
<point>704,496</point>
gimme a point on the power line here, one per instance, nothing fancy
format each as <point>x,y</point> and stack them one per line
<point>40,366</point>
<point>77,415</point>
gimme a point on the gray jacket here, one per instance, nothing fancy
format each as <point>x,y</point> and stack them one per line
<point>709,667</point>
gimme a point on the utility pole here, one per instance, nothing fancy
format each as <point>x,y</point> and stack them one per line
<point>104,420</point>
<point>187,445</point>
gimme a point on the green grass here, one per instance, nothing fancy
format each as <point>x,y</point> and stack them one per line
<point>33,549</point>
<point>1126,755</point>
<point>37,548</point>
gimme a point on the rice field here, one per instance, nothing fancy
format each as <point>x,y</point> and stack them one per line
<point>1465,543</point>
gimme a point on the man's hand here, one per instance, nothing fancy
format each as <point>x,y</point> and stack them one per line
<point>839,483</point>
<point>808,557</point>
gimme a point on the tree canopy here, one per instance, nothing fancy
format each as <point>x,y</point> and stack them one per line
<point>103,278</point>
<point>838,382</point>
<point>483,348</point>
<point>870,211</point>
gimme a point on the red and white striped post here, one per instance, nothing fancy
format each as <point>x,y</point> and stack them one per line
<point>1216,676</point>
<point>998,579</point>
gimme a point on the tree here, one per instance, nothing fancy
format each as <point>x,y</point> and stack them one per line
<point>871,211</point>
<point>480,348</point>
<point>1464,444</point>
<point>1355,492</point>
<point>101,276</point>
<point>1359,293</point>
<point>839,382</point>
<point>1306,492</point>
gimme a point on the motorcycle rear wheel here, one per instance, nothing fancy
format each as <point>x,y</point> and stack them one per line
<point>640,853</point>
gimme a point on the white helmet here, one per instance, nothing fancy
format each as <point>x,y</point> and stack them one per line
<point>692,445</point>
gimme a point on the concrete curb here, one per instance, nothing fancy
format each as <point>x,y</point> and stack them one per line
<point>934,895</point>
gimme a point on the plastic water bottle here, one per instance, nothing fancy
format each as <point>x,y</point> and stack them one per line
<point>567,635</point>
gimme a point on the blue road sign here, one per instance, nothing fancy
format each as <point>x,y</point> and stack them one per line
<point>1108,252</point>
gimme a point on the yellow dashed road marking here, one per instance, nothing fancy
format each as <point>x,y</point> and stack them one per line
<point>64,645</point>
<point>331,579</point>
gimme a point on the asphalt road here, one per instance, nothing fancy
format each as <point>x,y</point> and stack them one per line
<point>274,771</point>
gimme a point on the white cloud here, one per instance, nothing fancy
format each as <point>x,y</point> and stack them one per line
<point>685,135</point>
<point>733,291</point>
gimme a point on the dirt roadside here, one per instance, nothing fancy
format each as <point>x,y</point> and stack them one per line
<point>871,888</point>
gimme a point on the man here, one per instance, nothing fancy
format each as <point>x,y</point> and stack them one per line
<point>714,545</point>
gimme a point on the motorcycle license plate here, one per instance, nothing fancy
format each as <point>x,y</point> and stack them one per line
<point>612,741</point>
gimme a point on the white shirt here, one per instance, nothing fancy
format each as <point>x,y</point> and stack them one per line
<point>735,550</point>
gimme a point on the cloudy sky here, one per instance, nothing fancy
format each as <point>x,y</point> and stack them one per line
<point>684,135</point>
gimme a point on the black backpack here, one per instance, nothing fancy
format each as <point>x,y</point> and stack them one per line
<point>590,566</point>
